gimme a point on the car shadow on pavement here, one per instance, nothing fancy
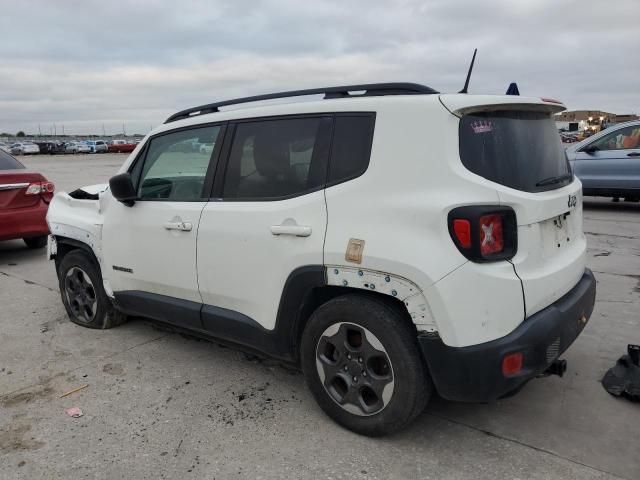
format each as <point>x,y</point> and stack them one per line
<point>607,204</point>
<point>14,251</point>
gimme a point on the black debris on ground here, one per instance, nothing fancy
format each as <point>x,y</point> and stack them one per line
<point>623,379</point>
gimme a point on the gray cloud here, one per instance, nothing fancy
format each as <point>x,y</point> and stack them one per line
<point>88,63</point>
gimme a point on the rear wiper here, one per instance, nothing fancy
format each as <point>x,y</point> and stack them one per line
<point>552,180</point>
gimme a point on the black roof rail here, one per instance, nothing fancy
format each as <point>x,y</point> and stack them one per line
<point>369,89</point>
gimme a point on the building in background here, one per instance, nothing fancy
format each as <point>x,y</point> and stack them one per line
<point>589,122</point>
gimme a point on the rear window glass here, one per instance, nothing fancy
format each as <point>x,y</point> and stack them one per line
<point>7,162</point>
<point>521,150</point>
<point>272,159</point>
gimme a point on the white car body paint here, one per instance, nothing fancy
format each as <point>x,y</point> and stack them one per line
<point>25,148</point>
<point>243,264</point>
<point>399,207</point>
<point>160,261</point>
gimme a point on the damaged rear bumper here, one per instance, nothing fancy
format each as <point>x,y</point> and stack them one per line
<point>474,373</point>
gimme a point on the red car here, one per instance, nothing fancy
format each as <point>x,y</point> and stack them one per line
<point>121,146</point>
<point>24,200</point>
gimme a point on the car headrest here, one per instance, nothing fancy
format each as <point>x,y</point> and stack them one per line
<point>271,153</point>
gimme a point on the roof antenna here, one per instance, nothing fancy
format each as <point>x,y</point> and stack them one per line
<point>466,84</point>
<point>513,89</point>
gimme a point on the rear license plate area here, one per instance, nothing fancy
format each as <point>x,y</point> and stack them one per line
<point>557,232</point>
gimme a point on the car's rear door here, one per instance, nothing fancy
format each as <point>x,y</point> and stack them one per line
<point>150,247</point>
<point>267,219</point>
<point>610,162</point>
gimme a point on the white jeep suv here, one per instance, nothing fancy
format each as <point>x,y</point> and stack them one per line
<point>391,240</point>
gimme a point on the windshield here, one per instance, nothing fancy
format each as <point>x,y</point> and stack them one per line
<point>518,149</point>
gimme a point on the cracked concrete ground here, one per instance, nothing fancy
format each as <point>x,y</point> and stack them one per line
<point>160,405</point>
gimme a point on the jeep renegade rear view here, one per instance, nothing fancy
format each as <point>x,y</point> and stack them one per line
<point>391,240</point>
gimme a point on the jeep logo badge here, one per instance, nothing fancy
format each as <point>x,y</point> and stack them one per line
<point>573,200</point>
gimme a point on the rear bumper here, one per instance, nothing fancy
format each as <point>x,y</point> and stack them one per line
<point>24,222</point>
<point>474,373</point>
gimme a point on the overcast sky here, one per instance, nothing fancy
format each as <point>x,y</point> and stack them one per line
<point>88,63</point>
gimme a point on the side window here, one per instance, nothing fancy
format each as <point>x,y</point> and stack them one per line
<point>272,159</point>
<point>623,139</point>
<point>175,165</point>
<point>351,149</point>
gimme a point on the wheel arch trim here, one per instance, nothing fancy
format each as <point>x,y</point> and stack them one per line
<point>389,284</point>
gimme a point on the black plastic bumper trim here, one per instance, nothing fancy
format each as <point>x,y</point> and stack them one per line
<point>474,373</point>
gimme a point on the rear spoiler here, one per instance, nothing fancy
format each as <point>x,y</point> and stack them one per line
<point>460,104</point>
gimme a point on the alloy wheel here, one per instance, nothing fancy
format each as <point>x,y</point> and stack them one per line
<point>354,368</point>
<point>81,295</point>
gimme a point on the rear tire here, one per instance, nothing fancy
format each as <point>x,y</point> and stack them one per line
<point>83,294</point>
<point>375,381</point>
<point>36,242</point>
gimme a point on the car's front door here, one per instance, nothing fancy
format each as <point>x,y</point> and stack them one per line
<point>150,247</point>
<point>269,219</point>
<point>610,162</point>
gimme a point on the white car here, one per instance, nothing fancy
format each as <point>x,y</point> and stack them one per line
<point>394,243</point>
<point>24,148</point>
<point>5,147</point>
<point>77,147</point>
<point>96,146</point>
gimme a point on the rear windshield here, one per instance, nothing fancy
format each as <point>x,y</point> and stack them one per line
<point>7,162</point>
<point>521,150</point>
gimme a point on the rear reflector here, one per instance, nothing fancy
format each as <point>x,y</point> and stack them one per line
<point>512,364</point>
<point>38,188</point>
<point>462,229</point>
<point>491,236</point>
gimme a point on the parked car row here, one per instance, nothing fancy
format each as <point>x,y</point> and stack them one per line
<point>57,147</point>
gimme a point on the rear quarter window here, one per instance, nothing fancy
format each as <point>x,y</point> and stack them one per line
<point>351,147</point>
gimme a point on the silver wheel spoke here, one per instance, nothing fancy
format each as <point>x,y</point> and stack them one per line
<point>355,369</point>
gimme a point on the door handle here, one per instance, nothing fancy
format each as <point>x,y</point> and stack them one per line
<point>183,226</point>
<point>633,154</point>
<point>295,230</point>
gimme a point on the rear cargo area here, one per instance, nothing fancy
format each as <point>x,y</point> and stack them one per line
<point>513,143</point>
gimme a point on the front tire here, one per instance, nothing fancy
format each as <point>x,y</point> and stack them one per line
<point>35,242</point>
<point>362,363</point>
<point>83,294</point>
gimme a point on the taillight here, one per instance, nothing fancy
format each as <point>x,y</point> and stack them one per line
<point>491,237</point>
<point>484,233</point>
<point>38,188</point>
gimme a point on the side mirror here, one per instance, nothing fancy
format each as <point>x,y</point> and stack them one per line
<point>122,189</point>
<point>590,149</point>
